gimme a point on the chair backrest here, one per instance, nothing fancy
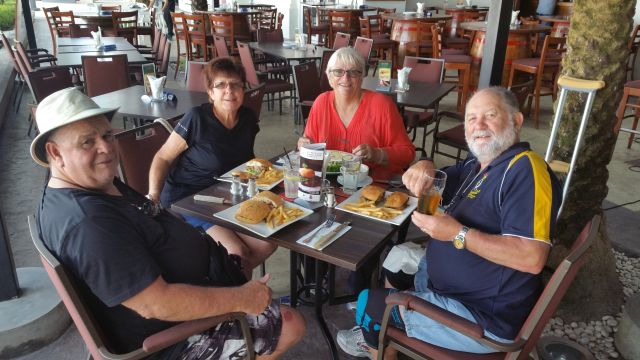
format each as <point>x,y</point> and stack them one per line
<point>307,81</point>
<point>196,31</point>
<point>324,80</point>
<point>195,80</point>
<point>436,41</point>
<point>426,70</point>
<point>46,81</point>
<point>52,25</point>
<point>222,25</point>
<point>62,20</point>
<point>306,12</point>
<point>137,147</point>
<point>81,30</point>
<point>253,99</point>
<point>178,28</point>
<point>386,24</point>
<point>555,289</point>
<point>67,289</point>
<point>266,19</point>
<point>125,23</point>
<point>279,20</point>
<point>553,49</point>
<point>341,40</point>
<point>247,62</point>
<point>265,35</point>
<point>220,43</point>
<point>363,46</point>
<point>340,21</point>
<point>23,58</point>
<point>7,45</point>
<point>105,73</point>
<point>166,58</point>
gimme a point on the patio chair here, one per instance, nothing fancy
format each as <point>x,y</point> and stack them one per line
<point>105,73</point>
<point>272,86</point>
<point>62,20</point>
<point>44,82</point>
<point>425,70</point>
<point>180,37</point>
<point>253,100</point>
<point>163,69</point>
<point>341,22</point>
<point>195,28</point>
<point>125,24</point>
<point>276,67</point>
<point>52,26</point>
<point>455,60</point>
<point>18,80</point>
<point>308,85</point>
<point>195,80</point>
<point>526,340</point>
<point>220,44</point>
<point>383,48</point>
<point>81,30</point>
<point>341,40</point>
<point>453,137</point>
<point>363,46</point>
<point>68,289</point>
<point>137,147</point>
<point>223,25</point>
<point>322,30</point>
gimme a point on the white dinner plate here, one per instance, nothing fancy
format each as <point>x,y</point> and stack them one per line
<point>364,182</point>
<point>412,203</point>
<point>260,228</point>
<point>227,176</point>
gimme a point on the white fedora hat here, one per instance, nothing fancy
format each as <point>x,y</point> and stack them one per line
<point>59,109</point>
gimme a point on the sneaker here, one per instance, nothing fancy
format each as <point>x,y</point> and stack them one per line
<point>352,342</point>
<point>351,306</point>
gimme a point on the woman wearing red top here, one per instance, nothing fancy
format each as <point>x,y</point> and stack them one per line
<point>358,121</point>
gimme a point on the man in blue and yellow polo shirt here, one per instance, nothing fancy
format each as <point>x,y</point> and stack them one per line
<point>487,251</point>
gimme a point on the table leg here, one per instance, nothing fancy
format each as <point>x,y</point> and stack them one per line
<point>293,278</point>
<point>320,269</point>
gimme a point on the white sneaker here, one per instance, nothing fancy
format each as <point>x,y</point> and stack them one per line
<point>352,342</point>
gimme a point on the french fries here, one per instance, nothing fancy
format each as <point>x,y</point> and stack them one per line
<point>281,215</point>
<point>368,207</point>
<point>269,177</point>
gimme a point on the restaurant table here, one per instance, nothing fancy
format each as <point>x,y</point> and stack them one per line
<point>559,24</point>
<point>365,239</point>
<point>420,95</point>
<point>518,47</point>
<point>404,28</point>
<point>74,59</point>
<point>107,40</point>
<point>125,46</point>
<point>311,52</point>
<point>102,19</point>
<point>132,106</point>
<point>255,6</point>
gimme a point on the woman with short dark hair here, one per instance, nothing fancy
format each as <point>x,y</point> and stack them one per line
<point>210,140</point>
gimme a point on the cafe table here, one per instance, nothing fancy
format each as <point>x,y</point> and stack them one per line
<point>279,50</point>
<point>74,59</point>
<point>364,240</point>
<point>420,95</point>
<point>126,46</point>
<point>131,105</point>
<point>518,46</point>
<point>107,40</point>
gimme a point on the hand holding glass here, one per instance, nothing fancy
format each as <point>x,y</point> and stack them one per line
<point>431,197</point>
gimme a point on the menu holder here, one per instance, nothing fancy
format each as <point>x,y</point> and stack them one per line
<point>311,172</point>
<point>384,76</point>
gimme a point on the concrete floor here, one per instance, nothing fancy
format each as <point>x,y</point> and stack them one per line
<point>22,181</point>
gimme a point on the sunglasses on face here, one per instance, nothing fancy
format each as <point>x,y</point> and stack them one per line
<point>350,73</point>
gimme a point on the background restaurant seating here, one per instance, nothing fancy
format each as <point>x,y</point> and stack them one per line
<point>454,60</point>
<point>253,100</point>
<point>341,40</point>
<point>526,340</point>
<point>308,87</point>
<point>125,24</point>
<point>197,45</point>
<point>105,73</point>
<point>195,78</point>
<point>180,37</point>
<point>321,30</point>
<point>67,288</point>
<point>343,22</point>
<point>52,26</point>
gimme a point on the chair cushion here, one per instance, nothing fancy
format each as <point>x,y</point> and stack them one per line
<point>457,59</point>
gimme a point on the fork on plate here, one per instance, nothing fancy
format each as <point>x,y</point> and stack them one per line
<point>327,224</point>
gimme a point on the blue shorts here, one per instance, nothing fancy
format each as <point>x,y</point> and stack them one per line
<point>428,330</point>
<point>197,222</point>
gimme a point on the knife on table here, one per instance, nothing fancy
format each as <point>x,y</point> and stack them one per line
<point>211,199</point>
<point>328,236</point>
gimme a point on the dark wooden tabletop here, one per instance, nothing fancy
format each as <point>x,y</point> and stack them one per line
<point>312,52</point>
<point>131,105</point>
<point>350,251</point>
<point>419,95</point>
<point>74,59</point>
<point>121,46</point>
<point>107,40</point>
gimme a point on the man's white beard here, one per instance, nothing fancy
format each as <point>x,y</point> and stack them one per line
<point>486,153</point>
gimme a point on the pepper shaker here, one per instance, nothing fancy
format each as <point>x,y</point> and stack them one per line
<point>236,188</point>
<point>251,187</point>
<point>329,197</point>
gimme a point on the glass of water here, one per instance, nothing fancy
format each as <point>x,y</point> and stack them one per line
<point>291,180</point>
<point>350,171</point>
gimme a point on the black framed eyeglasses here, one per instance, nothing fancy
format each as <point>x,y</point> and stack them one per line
<point>351,73</point>
<point>233,85</point>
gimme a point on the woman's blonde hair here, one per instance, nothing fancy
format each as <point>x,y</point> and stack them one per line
<point>347,56</point>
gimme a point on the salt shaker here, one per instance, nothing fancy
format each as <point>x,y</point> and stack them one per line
<point>329,197</point>
<point>236,188</point>
<point>251,187</point>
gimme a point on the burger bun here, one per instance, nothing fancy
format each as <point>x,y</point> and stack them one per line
<point>252,212</point>
<point>372,192</point>
<point>269,198</point>
<point>396,200</point>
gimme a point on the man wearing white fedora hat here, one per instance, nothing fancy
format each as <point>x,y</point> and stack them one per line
<point>142,268</point>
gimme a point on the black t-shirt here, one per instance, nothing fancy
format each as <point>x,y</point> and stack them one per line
<point>213,150</point>
<point>117,251</point>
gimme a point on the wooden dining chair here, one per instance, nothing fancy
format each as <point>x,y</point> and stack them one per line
<point>279,20</point>
<point>630,100</point>
<point>633,45</point>
<point>223,25</point>
<point>52,27</point>
<point>62,20</point>
<point>342,22</point>
<point>544,71</point>
<point>77,304</point>
<point>386,24</point>
<point>320,30</point>
<point>529,333</point>
<point>197,45</point>
<point>424,70</point>
<point>454,60</point>
<point>105,73</point>
<point>383,48</point>
<point>180,38</point>
<point>423,45</point>
<point>125,24</point>
<point>266,19</point>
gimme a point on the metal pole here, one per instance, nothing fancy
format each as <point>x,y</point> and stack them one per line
<point>28,24</point>
<point>495,45</point>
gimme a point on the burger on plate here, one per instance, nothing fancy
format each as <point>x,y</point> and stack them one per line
<point>269,198</point>
<point>257,166</point>
<point>396,200</point>
<point>372,192</point>
<point>252,211</point>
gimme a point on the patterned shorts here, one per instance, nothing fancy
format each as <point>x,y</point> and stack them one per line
<point>225,341</point>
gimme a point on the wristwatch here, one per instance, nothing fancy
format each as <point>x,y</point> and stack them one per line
<point>458,241</point>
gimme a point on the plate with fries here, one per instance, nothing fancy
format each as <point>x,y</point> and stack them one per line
<point>358,205</point>
<point>267,181</point>
<point>277,218</point>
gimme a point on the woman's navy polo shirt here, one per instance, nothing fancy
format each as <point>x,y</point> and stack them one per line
<point>518,195</point>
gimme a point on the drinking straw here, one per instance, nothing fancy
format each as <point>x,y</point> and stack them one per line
<point>286,153</point>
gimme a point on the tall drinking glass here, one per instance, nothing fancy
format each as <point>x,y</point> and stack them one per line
<point>431,197</point>
<point>350,171</point>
